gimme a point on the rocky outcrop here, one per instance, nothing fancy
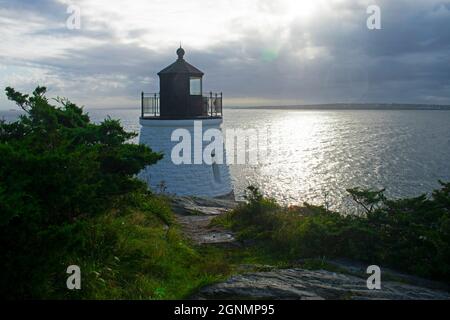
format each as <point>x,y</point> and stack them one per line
<point>311,285</point>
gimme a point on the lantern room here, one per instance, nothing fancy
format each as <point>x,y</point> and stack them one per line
<point>181,94</point>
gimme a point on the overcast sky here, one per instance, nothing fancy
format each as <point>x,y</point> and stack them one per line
<point>258,52</point>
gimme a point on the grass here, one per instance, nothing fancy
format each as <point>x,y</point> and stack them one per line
<point>137,252</point>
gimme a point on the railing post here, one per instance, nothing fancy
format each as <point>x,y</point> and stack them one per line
<point>215,104</point>
<point>142,104</point>
<point>221,104</point>
<point>154,103</point>
<point>210,103</point>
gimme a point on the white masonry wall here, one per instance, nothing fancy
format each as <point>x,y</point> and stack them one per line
<point>183,179</point>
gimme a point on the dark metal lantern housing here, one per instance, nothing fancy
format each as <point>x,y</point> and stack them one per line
<point>181,94</point>
<point>177,100</point>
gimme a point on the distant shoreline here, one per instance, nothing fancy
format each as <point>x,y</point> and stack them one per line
<point>350,106</point>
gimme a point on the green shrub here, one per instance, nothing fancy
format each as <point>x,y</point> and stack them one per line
<point>58,169</point>
<point>412,235</point>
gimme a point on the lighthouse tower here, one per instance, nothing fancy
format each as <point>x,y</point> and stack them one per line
<point>181,111</point>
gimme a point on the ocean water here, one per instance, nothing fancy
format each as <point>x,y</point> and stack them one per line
<point>314,155</point>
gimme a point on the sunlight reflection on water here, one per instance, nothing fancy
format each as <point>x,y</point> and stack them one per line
<point>322,153</point>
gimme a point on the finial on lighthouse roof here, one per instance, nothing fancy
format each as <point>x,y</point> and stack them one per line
<point>180,52</point>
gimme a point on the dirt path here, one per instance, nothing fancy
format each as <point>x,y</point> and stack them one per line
<point>195,215</point>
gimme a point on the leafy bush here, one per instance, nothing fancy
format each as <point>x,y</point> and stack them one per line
<point>58,169</point>
<point>412,235</point>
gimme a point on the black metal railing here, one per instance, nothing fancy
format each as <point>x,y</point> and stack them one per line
<point>150,105</point>
<point>212,105</point>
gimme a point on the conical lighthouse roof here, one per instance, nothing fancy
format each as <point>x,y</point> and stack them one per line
<point>181,66</point>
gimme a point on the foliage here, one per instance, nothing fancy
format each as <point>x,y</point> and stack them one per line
<point>412,235</point>
<point>368,199</point>
<point>57,170</point>
<point>131,253</point>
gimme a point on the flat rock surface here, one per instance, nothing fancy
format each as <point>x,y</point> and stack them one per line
<point>312,285</point>
<point>359,269</point>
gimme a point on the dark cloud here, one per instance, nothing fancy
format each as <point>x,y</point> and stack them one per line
<point>50,9</point>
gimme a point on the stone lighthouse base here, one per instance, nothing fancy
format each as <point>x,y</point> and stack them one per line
<point>209,180</point>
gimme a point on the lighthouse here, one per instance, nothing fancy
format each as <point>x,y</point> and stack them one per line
<point>182,114</point>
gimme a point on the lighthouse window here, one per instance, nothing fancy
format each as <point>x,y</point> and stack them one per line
<point>195,86</point>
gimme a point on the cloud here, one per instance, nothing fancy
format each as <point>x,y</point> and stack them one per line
<point>256,52</point>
